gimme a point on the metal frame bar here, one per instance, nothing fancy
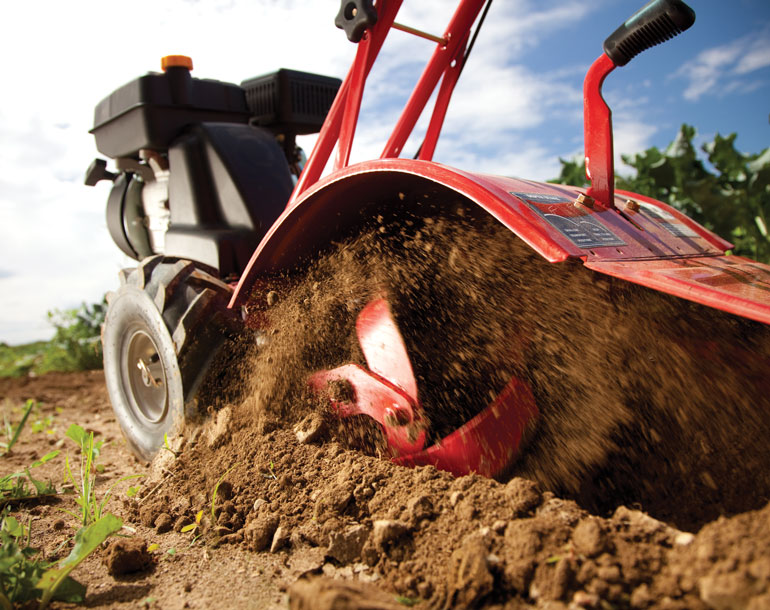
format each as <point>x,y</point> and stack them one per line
<point>340,125</point>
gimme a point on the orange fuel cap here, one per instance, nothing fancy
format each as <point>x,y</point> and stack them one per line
<point>176,61</point>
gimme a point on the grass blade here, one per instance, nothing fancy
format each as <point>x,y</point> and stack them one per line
<point>27,410</point>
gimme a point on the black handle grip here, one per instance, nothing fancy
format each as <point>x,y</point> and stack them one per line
<point>355,17</point>
<point>656,22</point>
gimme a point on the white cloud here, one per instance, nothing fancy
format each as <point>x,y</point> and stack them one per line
<point>757,56</point>
<point>711,69</point>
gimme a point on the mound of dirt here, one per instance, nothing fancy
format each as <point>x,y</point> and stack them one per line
<point>645,401</point>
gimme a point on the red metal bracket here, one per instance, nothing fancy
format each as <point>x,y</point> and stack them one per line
<point>597,126</point>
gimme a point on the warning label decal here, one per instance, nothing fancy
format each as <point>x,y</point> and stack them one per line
<point>667,221</point>
<point>580,226</point>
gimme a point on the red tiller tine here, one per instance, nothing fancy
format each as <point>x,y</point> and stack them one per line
<point>486,444</point>
<point>381,400</point>
<point>384,347</point>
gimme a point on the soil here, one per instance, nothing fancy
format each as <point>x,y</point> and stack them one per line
<point>644,483</point>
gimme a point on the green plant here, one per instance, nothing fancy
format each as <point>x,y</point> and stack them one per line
<point>216,489</point>
<point>44,423</point>
<point>13,486</point>
<point>167,446</point>
<point>76,344</point>
<point>91,509</point>
<point>11,433</point>
<point>87,540</point>
<point>18,360</point>
<point>271,474</point>
<point>25,577</point>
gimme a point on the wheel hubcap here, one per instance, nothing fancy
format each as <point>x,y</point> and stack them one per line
<point>146,377</point>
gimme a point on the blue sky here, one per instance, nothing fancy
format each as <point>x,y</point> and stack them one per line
<point>517,108</point>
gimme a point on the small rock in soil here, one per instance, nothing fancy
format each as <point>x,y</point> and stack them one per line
<point>126,556</point>
<point>280,538</point>
<point>219,432</point>
<point>310,429</point>
<point>385,531</point>
<point>346,546</point>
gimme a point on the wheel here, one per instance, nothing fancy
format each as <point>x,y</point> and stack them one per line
<point>159,340</point>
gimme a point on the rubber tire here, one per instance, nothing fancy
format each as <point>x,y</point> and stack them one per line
<point>176,310</point>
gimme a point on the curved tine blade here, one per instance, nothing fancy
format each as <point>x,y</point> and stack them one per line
<point>489,442</point>
<point>384,347</point>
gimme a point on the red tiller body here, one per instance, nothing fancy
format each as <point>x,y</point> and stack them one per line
<point>616,233</point>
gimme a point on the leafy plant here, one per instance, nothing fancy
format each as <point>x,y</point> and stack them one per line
<point>87,540</point>
<point>25,577</point>
<point>729,195</point>
<point>14,486</point>
<point>76,344</point>
<point>11,433</point>
<point>91,509</point>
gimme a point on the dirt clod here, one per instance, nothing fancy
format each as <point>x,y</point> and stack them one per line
<point>259,533</point>
<point>126,556</point>
<point>326,594</point>
<point>471,578</point>
<point>163,523</point>
<point>588,537</point>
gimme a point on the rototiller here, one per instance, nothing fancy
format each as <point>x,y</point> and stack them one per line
<point>211,196</point>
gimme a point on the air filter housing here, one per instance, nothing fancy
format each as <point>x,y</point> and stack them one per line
<point>288,101</point>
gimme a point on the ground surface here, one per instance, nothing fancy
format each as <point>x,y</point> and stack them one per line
<point>644,483</point>
<point>350,527</point>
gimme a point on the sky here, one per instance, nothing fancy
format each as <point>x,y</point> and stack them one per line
<point>516,110</point>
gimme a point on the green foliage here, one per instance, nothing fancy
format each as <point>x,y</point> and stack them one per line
<point>732,199</point>
<point>87,540</point>
<point>25,577</point>
<point>216,489</point>
<point>12,433</point>
<point>76,344</point>
<point>14,486</point>
<point>91,509</point>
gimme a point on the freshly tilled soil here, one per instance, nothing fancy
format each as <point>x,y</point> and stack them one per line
<point>644,484</point>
